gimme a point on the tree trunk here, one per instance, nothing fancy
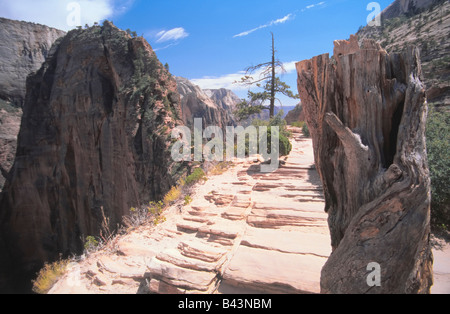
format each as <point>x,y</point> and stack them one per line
<point>366,112</point>
<point>272,88</point>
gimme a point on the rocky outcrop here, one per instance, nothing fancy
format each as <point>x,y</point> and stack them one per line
<point>224,98</point>
<point>23,48</point>
<point>94,141</point>
<point>195,103</point>
<point>295,115</point>
<point>366,112</point>
<point>407,7</point>
<point>424,24</point>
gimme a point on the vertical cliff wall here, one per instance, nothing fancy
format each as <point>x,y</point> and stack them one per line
<point>95,138</point>
<point>366,111</point>
<point>23,48</point>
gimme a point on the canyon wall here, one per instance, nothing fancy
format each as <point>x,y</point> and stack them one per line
<point>23,48</point>
<point>95,141</point>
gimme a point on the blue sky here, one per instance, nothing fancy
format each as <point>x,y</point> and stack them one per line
<point>210,41</point>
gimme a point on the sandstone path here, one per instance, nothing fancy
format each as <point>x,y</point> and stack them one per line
<point>245,232</point>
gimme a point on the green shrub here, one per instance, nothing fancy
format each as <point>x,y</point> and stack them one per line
<point>298,124</point>
<point>438,149</point>
<point>196,176</point>
<point>285,145</point>
<point>305,130</point>
<point>187,200</point>
<point>91,244</point>
<point>155,208</point>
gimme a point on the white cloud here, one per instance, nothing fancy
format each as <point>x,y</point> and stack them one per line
<point>313,5</point>
<point>57,13</point>
<point>171,35</point>
<point>271,23</point>
<point>224,81</point>
<point>290,66</point>
<point>227,81</point>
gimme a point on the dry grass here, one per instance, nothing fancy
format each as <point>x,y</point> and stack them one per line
<point>220,168</point>
<point>173,195</point>
<point>48,276</point>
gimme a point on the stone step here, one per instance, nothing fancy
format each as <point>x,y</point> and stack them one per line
<point>189,226</point>
<point>203,211</point>
<point>286,217</point>
<point>298,242</point>
<point>219,199</point>
<point>286,205</point>
<point>274,272</point>
<point>180,277</point>
<point>262,187</point>
<point>158,286</point>
<point>222,228</point>
<point>174,256</point>
<point>201,251</point>
<point>234,213</point>
<point>121,268</point>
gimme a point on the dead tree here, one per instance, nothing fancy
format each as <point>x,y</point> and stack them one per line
<point>366,111</point>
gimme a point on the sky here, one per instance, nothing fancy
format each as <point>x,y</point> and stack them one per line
<point>211,42</point>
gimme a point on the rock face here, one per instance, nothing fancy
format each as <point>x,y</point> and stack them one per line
<point>23,49</point>
<point>195,103</point>
<point>366,111</point>
<point>407,7</point>
<point>403,26</point>
<point>224,98</point>
<point>295,115</point>
<point>94,142</point>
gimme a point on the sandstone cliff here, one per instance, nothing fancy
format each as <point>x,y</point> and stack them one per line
<point>23,48</point>
<point>425,24</point>
<point>366,112</point>
<point>94,142</point>
<point>195,103</point>
<point>224,98</point>
<point>407,7</point>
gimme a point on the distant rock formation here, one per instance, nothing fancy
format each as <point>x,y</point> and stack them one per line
<point>94,141</point>
<point>407,7</point>
<point>196,103</point>
<point>23,48</point>
<point>424,24</point>
<point>366,112</point>
<point>295,115</point>
<point>224,98</point>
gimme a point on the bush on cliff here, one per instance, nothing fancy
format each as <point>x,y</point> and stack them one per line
<point>438,148</point>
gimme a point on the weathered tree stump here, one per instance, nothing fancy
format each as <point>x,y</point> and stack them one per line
<point>366,111</point>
